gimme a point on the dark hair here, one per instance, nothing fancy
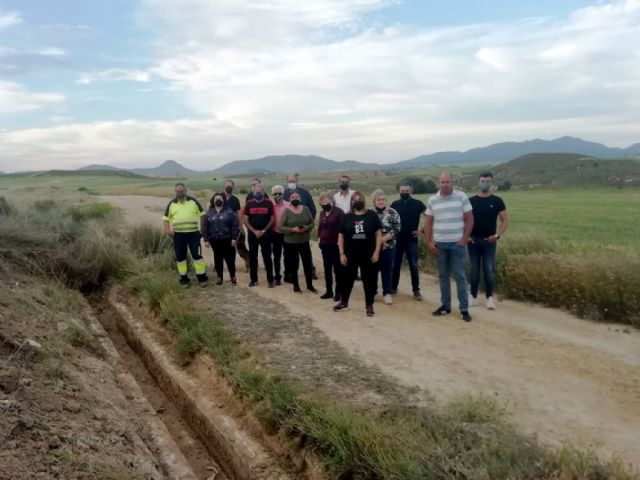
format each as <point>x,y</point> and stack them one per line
<point>344,176</point>
<point>405,184</point>
<point>212,200</point>
<point>230,181</point>
<point>486,175</point>
<point>257,180</point>
<point>180,184</point>
<point>358,194</point>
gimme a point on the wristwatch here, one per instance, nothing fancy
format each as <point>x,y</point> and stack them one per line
<point>497,237</point>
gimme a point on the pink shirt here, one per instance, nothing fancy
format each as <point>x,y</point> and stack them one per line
<point>278,208</point>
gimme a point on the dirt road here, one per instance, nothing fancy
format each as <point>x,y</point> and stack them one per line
<point>564,378</point>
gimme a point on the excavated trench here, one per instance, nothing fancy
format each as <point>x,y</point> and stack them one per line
<point>211,442</point>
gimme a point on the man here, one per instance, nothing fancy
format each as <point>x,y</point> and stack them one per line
<point>182,222</point>
<point>293,185</point>
<point>482,246</point>
<point>254,182</point>
<point>342,199</point>
<point>446,231</point>
<point>277,237</point>
<point>258,218</point>
<point>411,211</point>
<point>233,202</point>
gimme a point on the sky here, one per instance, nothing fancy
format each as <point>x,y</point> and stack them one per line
<point>203,82</point>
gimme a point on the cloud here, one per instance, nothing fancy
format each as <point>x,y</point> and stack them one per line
<point>9,20</point>
<point>16,98</point>
<point>114,75</point>
<point>51,52</point>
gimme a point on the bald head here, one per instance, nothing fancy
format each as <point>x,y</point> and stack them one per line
<point>445,183</point>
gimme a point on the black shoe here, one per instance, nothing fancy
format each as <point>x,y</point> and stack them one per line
<point>296,289</point>
<point>312,289</point>
<point>253,284</point>
<point>272,285</point>
<point>417,295</point>
<point>336,297</point>
<point>441,311</point>
<point>369,311</point>
<point>466,317</point>
<point>184,281</point>
<point>234,281</point>
<point>326,296</point>
<point>278,282</point>
<point>341,307</point>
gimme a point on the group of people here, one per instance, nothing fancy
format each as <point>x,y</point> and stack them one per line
<point>356,242</point>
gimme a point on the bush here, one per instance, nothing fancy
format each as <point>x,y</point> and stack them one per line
<point>92,211</point>
<point>147,239</point>
<point>419,184</point>
<point>504,186</point>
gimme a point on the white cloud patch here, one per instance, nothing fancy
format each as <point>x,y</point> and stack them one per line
<point>114,75</point>
<point>9,20</point>
<point>17,98</point>
<point>51,52</point>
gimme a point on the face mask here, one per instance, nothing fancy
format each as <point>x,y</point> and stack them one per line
<point>181,195</point>
<point>327,207</point>
<point>380,209</point>
<point>358,205</point>
<point>259,197</point>
<point>405,196</point>
<point>344,186</point>
<point>228,189</point>
<point>218,203</point>
<point>292,186</point>
<point>295,202</point>
<point>485,187</point>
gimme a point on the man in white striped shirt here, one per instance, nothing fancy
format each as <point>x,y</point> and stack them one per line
<point>446,231</point>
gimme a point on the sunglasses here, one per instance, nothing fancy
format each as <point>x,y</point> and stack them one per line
<point>277,194</point>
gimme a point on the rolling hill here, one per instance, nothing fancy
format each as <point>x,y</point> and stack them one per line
<point>290,163</point>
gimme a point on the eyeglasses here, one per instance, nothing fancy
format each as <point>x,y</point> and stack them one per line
<point>277,194</point>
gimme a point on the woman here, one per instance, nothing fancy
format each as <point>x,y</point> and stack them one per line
<point>359,243</point>
<point>390,221</point>
<point>296,224</point>
<point>221,229</point>
<point>328,228</point>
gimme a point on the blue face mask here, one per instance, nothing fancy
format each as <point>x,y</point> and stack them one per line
<point>259,197</point>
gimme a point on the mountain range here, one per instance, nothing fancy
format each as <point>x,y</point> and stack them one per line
<point>491,154</point>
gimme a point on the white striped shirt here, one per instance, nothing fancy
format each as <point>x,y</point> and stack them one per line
<point>447,213</point>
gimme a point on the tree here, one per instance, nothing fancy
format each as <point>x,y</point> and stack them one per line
<point>504,186</point>
<point>419,184</point>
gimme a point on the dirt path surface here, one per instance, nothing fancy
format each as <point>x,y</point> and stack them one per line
<point>568,380</point>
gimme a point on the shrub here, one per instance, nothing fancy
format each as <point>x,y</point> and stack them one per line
<point>419,184</point>
<point>147,239</point>
<point>504,186</point>
<point>92,211</point>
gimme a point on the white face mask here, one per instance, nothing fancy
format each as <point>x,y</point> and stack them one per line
<point>292,186</point>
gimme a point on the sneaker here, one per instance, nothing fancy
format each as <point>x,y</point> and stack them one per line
<point>184,281</point>
<point>234,281</point>
<point>272,285</point>
<point>253,284</point>
<point>387,299</point>
<point>472,300</point>
<point>491,304</point>
<point>312,289</point>
<point>340,307</point>
<point>417,295</point>
<point>441,311</point>
<point>466,317</point>
<point>336,297</point>
<point>326,296</point>
<point>369,310</point>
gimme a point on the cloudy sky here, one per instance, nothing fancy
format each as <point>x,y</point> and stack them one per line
<point>133,83</point>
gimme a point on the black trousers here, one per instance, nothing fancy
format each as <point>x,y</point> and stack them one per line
<point>264,244</point>
<point>332,267</point>
<point>293,253</point>
<point>277,245</point>
<point>368,272</point>
<point>183,242</point>
<point>224,252</point>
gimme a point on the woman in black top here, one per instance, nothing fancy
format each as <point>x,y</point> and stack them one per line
<point>359,243</point>
<point>220,229</point>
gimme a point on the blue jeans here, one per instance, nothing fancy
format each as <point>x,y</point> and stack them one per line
<point>410,247</point>
<point>385,264</point>
<point>482,252</point>
<point>451,261</point>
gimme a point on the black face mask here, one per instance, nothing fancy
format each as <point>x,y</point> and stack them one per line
<point>358,205</point>
<point>344,186</point>
<point>181,195</point>
<point>295,202</point>
<point>327,207</point>
<point>228,189</point>
<point>218,203</point>
<point>405,196</point>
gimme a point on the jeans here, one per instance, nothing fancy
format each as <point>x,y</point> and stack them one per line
<point>385,264</point>
<point>369,273</point>
<point>264,243</point>
<point>277,243</point>
<point>410,247</point>
<point>451,261</point>
<point>332,266</point>
<point>293,253</point>
<point>224,252</point>
<point>482,252</point>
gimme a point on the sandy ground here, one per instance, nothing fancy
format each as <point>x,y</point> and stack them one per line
<point>566,379</point>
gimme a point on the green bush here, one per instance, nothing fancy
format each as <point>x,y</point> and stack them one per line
<point>147,239</point>
<point>92,211</point>
<point>419,184</point>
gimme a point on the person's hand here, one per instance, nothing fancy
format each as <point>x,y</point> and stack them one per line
<point>259,233</point>
<point>492,239</point>
<point>299,229</point>
<point>169,233</point>
<point>375,257</point>
<point>343,259</point>
<point>414,234</point>
<point>432,248</point>
<point>387,238</point>
<point>463,241</point>
<point>233,243</point>
<point>206,244</point>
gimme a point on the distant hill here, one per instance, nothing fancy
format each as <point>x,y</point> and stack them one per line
<point>86,173</point>
<point>502,152</point>
<point>568,169</point>
<point>290,163</point>
<point>99,168</point>
<point>170,168</point>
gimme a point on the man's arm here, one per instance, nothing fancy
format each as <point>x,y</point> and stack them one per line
<point>167,228</point>
<point>504,223</point>
<point>427,230</point>
<point>311,205</point>
<point>245,221</point>
<point>468,227</point>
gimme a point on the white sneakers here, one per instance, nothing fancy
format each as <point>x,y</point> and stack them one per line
<point>490,304</point>
<point>387,299</point>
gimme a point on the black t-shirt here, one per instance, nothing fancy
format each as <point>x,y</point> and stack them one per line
<point>485,214</point>
<point>233,203</point>
<point>409,212</point>
<point>259,214</point>
<point>360,233</point>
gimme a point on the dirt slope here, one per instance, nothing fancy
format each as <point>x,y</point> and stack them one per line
<point>564,378</point>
